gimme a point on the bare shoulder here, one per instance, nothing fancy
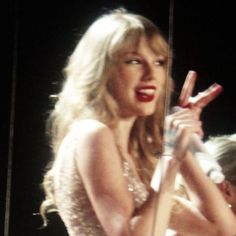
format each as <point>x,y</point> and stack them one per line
<point>90,130</point>
<point>92,140</point>
<point>100,167</point>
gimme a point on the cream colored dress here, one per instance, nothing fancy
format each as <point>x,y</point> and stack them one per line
<point>74,206</point>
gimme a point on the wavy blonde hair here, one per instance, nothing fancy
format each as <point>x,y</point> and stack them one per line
<point>85,93</point>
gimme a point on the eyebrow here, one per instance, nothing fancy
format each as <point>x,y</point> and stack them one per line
<point>134,53</point>
<point>130,52</point>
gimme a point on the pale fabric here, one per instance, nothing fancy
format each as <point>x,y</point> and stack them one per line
<point>74,206</point>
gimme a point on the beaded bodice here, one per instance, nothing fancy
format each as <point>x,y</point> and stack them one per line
<point>74,206</point>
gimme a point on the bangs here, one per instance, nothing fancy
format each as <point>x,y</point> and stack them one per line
<point>126,39</point>
<point>160,46</point>
<point>132,38</point>
<point>133,27</point>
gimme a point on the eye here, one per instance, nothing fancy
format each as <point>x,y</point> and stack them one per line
<point>133,61</point>
<point>160,62</point>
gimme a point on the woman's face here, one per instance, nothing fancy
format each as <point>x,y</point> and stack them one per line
<point>138,77</point>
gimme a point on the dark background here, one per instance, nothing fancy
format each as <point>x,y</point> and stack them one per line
<point>39,35</point>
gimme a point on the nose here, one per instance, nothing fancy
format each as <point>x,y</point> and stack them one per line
<point>149,71</point>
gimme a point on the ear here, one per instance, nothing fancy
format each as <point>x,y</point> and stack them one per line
<point>225,188</point>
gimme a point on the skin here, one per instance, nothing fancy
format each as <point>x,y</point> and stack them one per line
<point>201,100</point>
<point>214,208</point>
<point>99,162</point>
<point>113,203</point>
<point>135,69</point>
<point>229,192</point>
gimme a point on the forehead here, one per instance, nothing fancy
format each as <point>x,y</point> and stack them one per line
<point>134,44</point>
<point>132,47</point>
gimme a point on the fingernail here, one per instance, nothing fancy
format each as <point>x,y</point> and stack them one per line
<point>215,86</point>
<point>191,72</point>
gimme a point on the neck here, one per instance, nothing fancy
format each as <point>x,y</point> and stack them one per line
<point>122,133</point>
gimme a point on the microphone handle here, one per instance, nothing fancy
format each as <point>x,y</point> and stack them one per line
<point>207,163</point>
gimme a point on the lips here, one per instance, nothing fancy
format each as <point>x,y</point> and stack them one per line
<point>146,93</point>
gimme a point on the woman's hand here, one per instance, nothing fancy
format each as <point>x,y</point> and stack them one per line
<point>179,128</point>
<point>202,99</point>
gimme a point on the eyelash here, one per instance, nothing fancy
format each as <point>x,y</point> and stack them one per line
<point>133,61</point>
<point>138,61</point>
<point>161,62</point>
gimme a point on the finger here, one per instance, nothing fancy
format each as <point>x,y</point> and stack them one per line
<point>182,113</point>
<point>181,144</point>
<point>193,127</point>
<point>184,134</point>
<point>184,120</point>
<point>205,97</point>
<point>187,89</point>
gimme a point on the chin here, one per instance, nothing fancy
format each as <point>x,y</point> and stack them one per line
<point>147,112</point>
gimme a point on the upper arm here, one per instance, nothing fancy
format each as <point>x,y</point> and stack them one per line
<point>207,206</point>
<point>100,167</point>
<point>188,220</point>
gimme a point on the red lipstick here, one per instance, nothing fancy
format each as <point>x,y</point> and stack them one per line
<point>146,93</point>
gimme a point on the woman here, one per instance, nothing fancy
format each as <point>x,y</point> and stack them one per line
<point>107,132</point>
<point>223,150</point>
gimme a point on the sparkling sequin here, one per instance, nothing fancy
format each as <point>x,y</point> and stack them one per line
<point>140,194</point>
<point>73,203</point>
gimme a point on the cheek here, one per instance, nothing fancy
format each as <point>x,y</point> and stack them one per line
<point>115,82</point>
<point>124,80</point>
<point>162,84</point>
<point>117,87</point>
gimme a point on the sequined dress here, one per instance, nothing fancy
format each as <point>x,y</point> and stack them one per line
<point>73,203</point>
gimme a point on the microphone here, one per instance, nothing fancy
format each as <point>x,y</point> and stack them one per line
<point>207,163</point>
<point>197,147</point>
